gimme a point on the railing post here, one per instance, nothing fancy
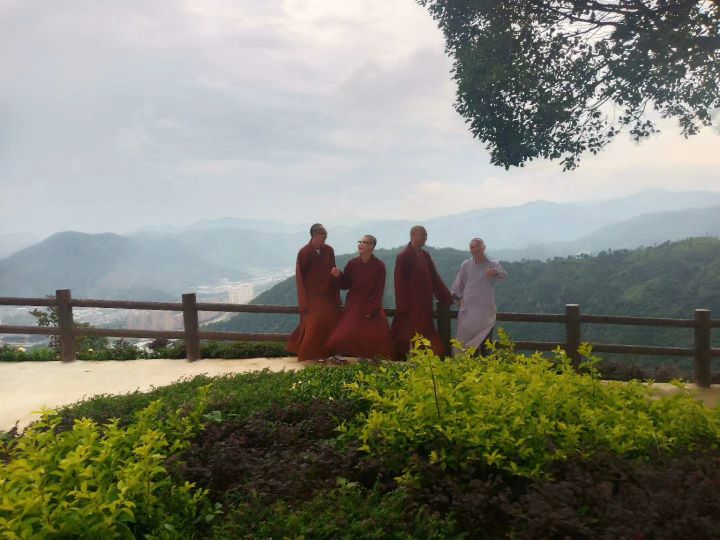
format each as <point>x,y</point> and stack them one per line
<point>702,347</point>
<point>192,328</point>
<point>572,332</point>
<point>65,325</point>
<point>443,326</point>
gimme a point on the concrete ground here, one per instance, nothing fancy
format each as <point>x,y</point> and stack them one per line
<point>27,386</point>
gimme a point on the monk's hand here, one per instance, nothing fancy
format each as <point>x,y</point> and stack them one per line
<point>491,273</point>
<point>335,272</point>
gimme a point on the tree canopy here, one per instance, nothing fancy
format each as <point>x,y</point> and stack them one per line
<point>557,78</point>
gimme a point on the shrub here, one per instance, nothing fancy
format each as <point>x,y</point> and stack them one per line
<point>159,343</point>
<point>518,414</point>
<point>101,481</point>
<point>20,354</point>
<point>284,453</point>
<point>175,349</point>
<point>348,512</point>
<point>227,349</point>
<point>122,350</point>
<point>603,497</point>
<point>119,350</point>
<point>238,395</point>
<point>612,497</point>
<point>324,382</point>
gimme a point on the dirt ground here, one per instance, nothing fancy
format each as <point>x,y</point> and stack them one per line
<point>27,386</point>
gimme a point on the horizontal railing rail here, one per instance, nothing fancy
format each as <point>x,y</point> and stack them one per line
<point>63,302</point>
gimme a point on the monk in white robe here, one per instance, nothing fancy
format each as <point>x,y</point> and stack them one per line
<point>474,289</point>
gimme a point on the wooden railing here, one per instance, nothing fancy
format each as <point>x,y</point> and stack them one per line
<point>702,324</point>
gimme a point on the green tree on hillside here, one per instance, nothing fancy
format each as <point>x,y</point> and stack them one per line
<point>556,78</point>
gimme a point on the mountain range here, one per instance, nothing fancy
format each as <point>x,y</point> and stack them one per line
<point>160,262</point>
<point>108,266</point>
<point>644,230</point>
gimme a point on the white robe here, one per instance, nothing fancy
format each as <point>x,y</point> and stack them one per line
<point>477,311</point>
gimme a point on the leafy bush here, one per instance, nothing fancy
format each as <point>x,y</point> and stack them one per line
<point>348,512</point>
<point>20,354</point>
<point>518,414</point>
<point>123,350</point>
<point>49,317</point>
<point>665,373</point>
<point>603,497</point>
<point>175,349</point>
<point>102,481</point>
<point>234,349</point>
<point>119,350</point>
<point>592,459</point>
<point>222,349</point>
<point>324,382</point>
<point>237,395</point>
<point>284,453</point>
<point>610,497</point>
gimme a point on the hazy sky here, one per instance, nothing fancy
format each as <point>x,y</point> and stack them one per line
<point>115,115</point>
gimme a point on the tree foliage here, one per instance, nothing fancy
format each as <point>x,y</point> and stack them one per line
<point>49,317</point>
<point>556,78</point>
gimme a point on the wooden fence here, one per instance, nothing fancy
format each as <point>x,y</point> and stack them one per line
<point>702,324</point>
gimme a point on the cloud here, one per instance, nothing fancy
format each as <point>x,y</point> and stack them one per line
<point>165,112</point>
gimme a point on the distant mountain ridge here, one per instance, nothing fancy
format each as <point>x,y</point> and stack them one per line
<point>107,266</point>
<point>161,261</point>
<point>509,227</point>
<point>644,230</point>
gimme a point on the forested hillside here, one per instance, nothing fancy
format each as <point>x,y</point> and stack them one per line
<point>669,280</point>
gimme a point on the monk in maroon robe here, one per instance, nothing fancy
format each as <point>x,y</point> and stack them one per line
<point>416,280</point>
<point>318,298</point>
<point>363,329</point>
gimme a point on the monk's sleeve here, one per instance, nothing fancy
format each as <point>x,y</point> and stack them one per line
<point>458,287</point>
<point>300,266</point>
<point>337,289</point>
<point>374,304</point>
<point>441,291</point>
<point>402,284</point>
<point>502,273</point>
<point>345,279</point>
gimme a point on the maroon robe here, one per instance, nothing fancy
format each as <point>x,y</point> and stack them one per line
<point>319,301</point>
<point>363,329</point>
<point>416,280</point>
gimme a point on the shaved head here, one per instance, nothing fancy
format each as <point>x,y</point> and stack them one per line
<point>418,236</point>
<point>477,249</point>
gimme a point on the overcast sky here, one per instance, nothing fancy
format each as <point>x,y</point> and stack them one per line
<point>115,115</point>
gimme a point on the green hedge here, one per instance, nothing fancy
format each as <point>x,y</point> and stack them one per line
<point>518,413</point>
<point>122,350</point>
<point>102,481</point>
<point>509,446</point>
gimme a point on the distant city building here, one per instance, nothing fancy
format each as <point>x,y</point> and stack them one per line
<point>154,320</point>
<point>241,294</point>
<point>226,292</point>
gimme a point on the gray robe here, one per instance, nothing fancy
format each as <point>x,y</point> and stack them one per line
<point>477,311</point>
